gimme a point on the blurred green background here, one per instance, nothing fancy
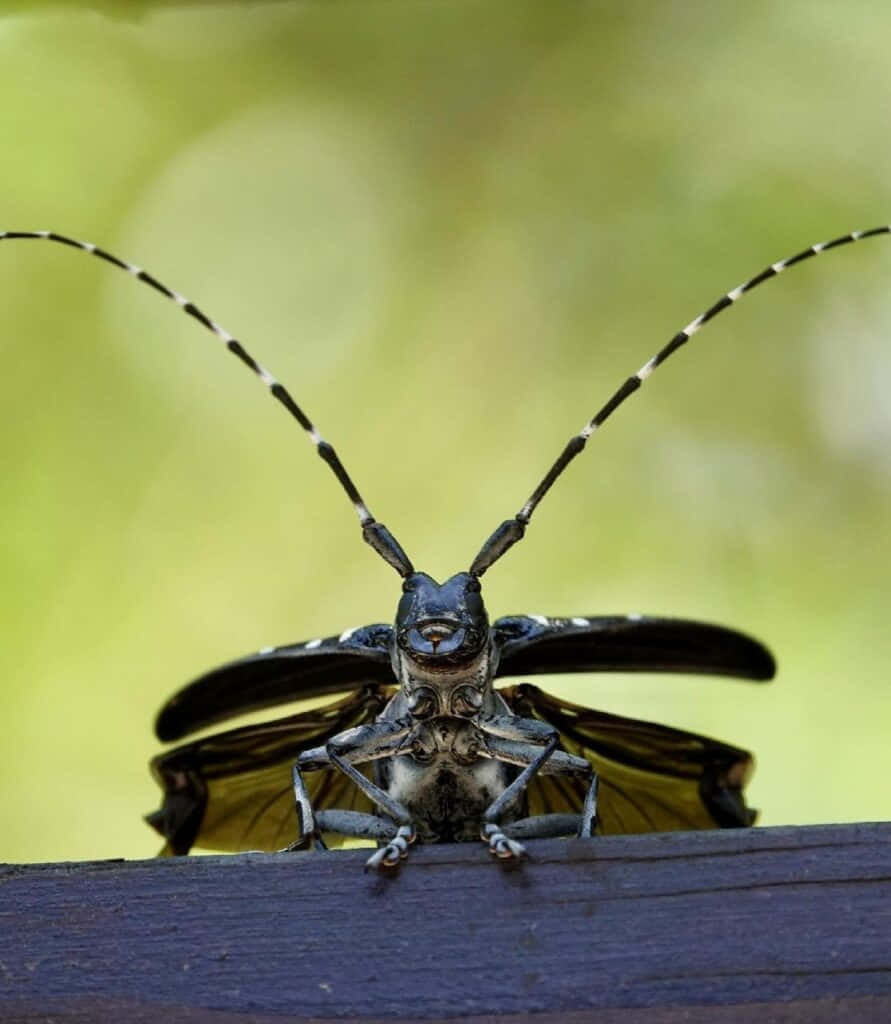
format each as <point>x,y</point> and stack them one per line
<point>452,229</point>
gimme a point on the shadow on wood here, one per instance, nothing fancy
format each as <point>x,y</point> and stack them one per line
<point>790,924</point>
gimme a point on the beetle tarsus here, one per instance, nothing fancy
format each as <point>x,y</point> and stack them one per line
<point>500,845</point>
<point>396,850</point>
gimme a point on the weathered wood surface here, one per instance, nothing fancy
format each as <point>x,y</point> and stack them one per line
<point>790,924</point>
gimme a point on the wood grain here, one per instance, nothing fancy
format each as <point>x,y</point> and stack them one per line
<point>790,924</point>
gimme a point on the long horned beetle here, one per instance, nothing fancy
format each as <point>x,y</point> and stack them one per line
<point>420,745</point>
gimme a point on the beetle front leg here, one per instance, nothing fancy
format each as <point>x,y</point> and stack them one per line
<point>525,735</point>
<point>499,844</point>
<point>389,855</point>
<point>528,742</point>
<point>356,746</point>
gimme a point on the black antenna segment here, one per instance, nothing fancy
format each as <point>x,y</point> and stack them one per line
<point>512,530</point>
<point>375,533</point>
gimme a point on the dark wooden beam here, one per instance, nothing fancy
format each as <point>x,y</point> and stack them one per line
<point>759,925</point>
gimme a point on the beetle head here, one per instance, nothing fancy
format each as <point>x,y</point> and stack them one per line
<point>443,654</point>
<point>441,625</point>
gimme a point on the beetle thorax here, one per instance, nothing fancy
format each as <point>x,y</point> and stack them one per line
<point>442,652</point>
<point>427,692</point>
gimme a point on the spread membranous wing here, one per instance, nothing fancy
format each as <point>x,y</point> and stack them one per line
<point>232,791</point>
<point>653,778</point>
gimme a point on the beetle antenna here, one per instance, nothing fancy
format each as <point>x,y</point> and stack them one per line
<point>375,533</point>
<point>512,530</point>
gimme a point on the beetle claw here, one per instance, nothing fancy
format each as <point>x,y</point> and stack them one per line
<point>500,845</point>
<point>388,856</point>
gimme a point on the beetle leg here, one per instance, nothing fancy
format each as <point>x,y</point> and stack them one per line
<point>387,856</point>
<point>395,850</point>
<point>550,826</point>
<point>499,844</point>
<point>589,811</point>
<point>307,832</point>
<point>516,740</point>
<point>543,826</point>
<point>528,742</point>
<point>357,824</point>
<point>527,735</point>
<point>356,746</point>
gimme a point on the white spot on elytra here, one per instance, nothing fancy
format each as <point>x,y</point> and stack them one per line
<point>266,650</point>
<point>540,619</point>
<point>313,644</point>
<point>579,621</point>
<point>346,634</point>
